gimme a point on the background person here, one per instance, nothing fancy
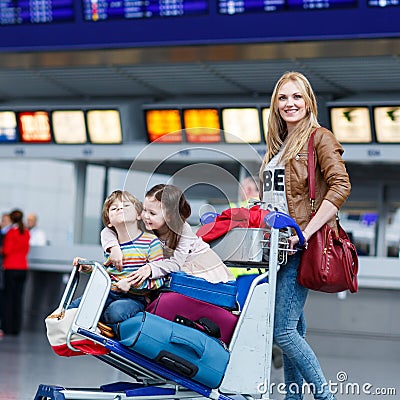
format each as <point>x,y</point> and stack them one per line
<point>38,236</point>
<point>292,119</point>
<point>248,193</point>
<point>15,263</point>
<point>5,225</point>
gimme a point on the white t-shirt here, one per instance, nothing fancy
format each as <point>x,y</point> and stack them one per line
<point>38,237</point>
<point>274,189</point>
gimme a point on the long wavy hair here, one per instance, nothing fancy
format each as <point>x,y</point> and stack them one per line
<point>176,211</point>
<point>277,129</point>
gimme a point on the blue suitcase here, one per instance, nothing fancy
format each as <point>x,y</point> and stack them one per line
<point>185,350</point>
<point>220,294</point>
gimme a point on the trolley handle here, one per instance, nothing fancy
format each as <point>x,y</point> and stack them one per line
<point>84,261</point>
<point>73,284</point>
<point>279,220</point>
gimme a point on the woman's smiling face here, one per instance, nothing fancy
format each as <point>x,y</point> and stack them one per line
<point>291,104</point>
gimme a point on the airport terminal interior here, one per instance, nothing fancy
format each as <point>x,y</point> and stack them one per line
<point>178,92</point>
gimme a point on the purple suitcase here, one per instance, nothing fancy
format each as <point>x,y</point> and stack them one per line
<point>192,312</point>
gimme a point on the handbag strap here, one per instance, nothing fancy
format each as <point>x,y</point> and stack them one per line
<point>311,171</point>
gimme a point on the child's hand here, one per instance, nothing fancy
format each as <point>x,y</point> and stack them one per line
<point>138,277</point>
<point>123,285</point>
<point>82,267</point>
<point>115,258</point>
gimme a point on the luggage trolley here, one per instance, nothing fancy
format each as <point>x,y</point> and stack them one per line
<point>248,370</point>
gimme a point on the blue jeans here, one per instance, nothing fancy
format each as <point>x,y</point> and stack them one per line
<point>118,307</point>
<point>300,362</point>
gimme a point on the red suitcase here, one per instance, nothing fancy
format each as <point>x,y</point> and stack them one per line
<point>196,313</point>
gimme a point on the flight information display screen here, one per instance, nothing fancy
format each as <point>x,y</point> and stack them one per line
<point>8,126</point>
<point>42,25</point>
<point>383,3</point>
<point>34,126</point>
<point>320,4</point>
<point>14,12</point>
<point>243,6</point>
<point>97,10</point>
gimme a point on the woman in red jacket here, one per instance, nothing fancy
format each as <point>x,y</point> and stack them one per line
<point>15,264</point>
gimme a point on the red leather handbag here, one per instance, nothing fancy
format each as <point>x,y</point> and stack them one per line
<point>330,262</point>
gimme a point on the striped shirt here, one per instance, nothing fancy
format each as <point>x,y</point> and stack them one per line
<point>143,249</point>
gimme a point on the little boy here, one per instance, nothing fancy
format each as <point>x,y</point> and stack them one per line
<point>122,213</point>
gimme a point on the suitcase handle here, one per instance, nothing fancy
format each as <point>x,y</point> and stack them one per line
<point>203,324</point>
<point>198,348</point>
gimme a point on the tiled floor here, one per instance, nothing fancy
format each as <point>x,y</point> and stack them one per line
<point>27,360</point>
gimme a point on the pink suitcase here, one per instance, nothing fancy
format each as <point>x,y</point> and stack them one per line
<point>207,317</point>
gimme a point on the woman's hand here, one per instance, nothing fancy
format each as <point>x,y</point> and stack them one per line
<point>82,267</point>
<point>123,285</point>
<point>138,277</point>
<point>294,241</point>
<point>115,258</point>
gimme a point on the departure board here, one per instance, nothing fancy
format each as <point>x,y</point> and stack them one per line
<point>243,6</point>
<point>34,126</point>
<point>351,124</point>
<point>8,126</point>
<point>164,125</point>
<point>383,3</point>
<point>62,25</point>
<point>97,10</point>
<point>14,12</point>
<point>320,4</point>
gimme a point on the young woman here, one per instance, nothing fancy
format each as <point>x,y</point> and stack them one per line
<point>292,119</point>
<point>165,211</point>
<point>15,264</point>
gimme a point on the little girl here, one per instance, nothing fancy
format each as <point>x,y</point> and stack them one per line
<point>165,211</point>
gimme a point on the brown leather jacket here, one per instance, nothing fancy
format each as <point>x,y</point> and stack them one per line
<point>331,179</point>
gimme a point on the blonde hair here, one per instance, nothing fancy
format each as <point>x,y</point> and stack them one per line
<point>277,128</point>
<point>121,195</point>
